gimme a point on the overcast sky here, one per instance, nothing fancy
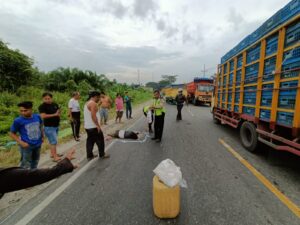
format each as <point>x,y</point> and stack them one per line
<point>118,38</point>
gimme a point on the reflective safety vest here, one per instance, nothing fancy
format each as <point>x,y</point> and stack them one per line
<point>146,109</point>
<point>158,112</point>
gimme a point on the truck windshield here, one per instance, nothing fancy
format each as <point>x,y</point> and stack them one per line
<point>205,88</point>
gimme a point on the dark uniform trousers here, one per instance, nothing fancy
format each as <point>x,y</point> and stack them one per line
<point>159,126</point>
<point>179,108</point>
<point>75,124</point>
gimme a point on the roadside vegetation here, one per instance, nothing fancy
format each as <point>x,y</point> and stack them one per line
<point>20,81</point>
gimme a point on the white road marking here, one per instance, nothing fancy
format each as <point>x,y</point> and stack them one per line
<point>190,111</point>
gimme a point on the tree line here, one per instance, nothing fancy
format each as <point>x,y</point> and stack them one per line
<point>17,70</point>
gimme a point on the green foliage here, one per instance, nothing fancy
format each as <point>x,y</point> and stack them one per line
<point>15,68</point>
<point>169,78</point>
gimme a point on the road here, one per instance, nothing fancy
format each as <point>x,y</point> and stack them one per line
<point>220,190</point>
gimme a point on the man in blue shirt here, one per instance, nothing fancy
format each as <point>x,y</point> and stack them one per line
<point>127,100</point>
<point>29,127</point>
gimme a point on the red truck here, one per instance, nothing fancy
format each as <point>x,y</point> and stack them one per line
<point>200,91</point>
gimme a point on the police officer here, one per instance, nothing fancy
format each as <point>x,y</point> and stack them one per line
<point>180,99</point>
<point>159,116</point>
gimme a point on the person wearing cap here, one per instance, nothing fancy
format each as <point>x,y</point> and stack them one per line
<point>180,99</point>
<point>29,126</point>
<point>92,127</point>
<point>159,116</point>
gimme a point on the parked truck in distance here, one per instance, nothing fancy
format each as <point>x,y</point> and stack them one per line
<point>258,84</point>
<point>199,92</point>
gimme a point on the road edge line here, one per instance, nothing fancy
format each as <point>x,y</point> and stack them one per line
<point>284,199</point>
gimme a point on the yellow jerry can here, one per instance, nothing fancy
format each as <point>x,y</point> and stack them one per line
<point>166,200</point>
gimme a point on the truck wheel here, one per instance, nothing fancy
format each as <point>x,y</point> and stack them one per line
<point>249,136</point>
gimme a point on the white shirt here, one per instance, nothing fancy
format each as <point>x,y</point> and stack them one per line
<point>122,134</point>
<point>88,121</point>
<point>74,105</point>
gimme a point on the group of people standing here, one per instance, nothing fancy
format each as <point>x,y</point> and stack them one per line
<point>33,127</point>
<point>30,129</point>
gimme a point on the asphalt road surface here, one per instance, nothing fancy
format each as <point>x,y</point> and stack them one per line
<point>220,189</point>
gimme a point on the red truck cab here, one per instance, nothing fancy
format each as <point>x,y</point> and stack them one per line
<point>200,91</point>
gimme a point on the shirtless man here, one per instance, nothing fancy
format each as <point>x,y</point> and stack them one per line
<point>105,104</point>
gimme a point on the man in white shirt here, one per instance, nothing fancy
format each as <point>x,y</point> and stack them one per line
<point>74,114</point>
<point>92,127</point>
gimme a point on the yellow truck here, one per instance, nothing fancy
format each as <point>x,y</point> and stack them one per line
<point>258,84</point>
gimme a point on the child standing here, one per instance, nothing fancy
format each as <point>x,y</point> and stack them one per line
<point>29,126</point>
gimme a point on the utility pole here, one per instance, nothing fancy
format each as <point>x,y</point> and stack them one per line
<point>139,77</point>
<point>204,70</point>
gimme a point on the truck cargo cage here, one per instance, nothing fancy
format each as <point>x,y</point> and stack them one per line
<point>266,95</point>
<point>269,69</point>
<point>237,96</point>
<point>229,97</point>
<point>287,94</point>
<point>250,95</point>
<point>265,114</point>
<point>271,45</point>
<point>231,66</point>
<point>236,108</point>
<point>290,10</point>
<point>290,70</point>
<point>291,56</point>
<point>251,73</point>
<point>238,77</point>
<point>248,110</point>
<point>253,54</point>
<point>230,79</point>
<point>285,118</point>
<point>240,61</point>
<point>292,34</point>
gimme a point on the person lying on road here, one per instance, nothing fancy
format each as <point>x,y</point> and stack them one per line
<point>125,134</point>
<point>17,178</point>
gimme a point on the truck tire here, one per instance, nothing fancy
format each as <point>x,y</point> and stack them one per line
<point>249,137</point>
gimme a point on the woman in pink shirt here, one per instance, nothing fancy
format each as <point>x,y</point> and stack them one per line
<point>119,107</point>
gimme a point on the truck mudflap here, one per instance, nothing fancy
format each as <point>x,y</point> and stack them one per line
<point>283,143</point>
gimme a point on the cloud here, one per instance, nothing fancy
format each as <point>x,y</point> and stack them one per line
<point>235,19</point>
<point>142,8</point>
<point>161,25</point>
<point>119,36</point>
<point>115,8</point>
